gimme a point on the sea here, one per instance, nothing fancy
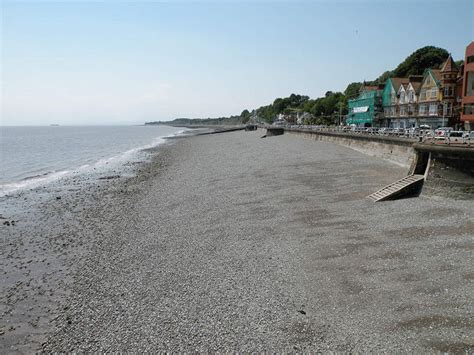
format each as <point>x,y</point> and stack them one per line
<point>31,157</point>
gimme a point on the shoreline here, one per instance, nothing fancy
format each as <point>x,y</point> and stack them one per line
<point>99,163</point>
<point>53,213</point>
<point>270,248</point>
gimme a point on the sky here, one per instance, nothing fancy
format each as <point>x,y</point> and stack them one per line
<point>124,62</point>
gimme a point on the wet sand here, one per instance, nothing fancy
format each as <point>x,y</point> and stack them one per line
<point>231,242</point>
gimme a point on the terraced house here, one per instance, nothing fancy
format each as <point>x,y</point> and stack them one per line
<point>407,99</point>
<point>430,99</point>
<point>390,101</point>
<point>449,77</point>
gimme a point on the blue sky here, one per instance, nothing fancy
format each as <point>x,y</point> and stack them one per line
<point>75,62</point>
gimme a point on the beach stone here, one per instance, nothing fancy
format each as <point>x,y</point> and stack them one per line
<point>232,235</point>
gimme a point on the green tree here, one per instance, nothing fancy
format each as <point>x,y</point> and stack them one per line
<point>421,59</point>
<point>352,90</point>
<point>384,76</point>
<point>245,116</point>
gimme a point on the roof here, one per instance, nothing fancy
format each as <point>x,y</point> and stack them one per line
<point>415,81</point>
<point>416,85</point>
<point>470,49</point>
<point>415,78</point>
<point>396,82</point>
<point>449,65</point>
<point>436,73</point>
<point>369,88</point>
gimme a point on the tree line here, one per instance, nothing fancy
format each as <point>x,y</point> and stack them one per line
<point>327,109</point>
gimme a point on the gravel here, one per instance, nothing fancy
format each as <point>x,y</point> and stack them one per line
<point>230,242</point>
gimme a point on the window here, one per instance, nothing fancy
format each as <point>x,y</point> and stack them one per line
<point>402,97</point>
<point>411,96</point>
<point>434,93</point>
<point>403,111</point>
<point>394,98</point>
<point>448,91</point>
<point>470,59</point>
<point>433,110</point>
<point>470,84</point>
<point>422,109</point>
<point>411,109</point>
<point>468,109</point>
<point>423,94</point>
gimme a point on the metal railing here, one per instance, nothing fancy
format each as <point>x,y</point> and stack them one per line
<point>415,134</point>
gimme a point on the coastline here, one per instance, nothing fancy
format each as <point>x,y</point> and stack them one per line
<point>273,240</point>
<point>47,235</point>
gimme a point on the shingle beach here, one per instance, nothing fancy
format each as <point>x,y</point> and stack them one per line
<point>230,242</point>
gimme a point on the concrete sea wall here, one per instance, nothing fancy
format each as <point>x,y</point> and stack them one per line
<point>449,171</point>
<point>397,150</point>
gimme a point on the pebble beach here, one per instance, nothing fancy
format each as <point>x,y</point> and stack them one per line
<point>231,242</point>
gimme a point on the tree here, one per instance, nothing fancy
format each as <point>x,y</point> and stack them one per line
<point>421,59</point>
<point>352,90</point>
<point>245,116</point>
<point>384,76</point>
<point>308,105</point>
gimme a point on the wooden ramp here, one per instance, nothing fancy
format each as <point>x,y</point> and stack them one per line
<point>401,188</point>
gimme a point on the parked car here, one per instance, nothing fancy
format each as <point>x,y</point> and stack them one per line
<point>440,133</point>
<point>384,131</point>
<point>454,137</point>
<point>468,137</point>
<point>361,130</point>
<point>427,134</point>
<point>398,131</point>
<point>414,131</point>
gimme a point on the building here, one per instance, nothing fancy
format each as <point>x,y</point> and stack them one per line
<point>390,101</point>
<point>467,108</point>
<point>449,75</point>
<point>303,117</point>
<point>408,94</point>
<point>413,93</point>
<point>430,99</point>
<point>459,91</point>
<point>289,118</point>
<point>430,112</point>
<point>365,110</point>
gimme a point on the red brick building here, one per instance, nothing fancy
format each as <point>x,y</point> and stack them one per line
<point>448,76</point>
<point>467,109</point>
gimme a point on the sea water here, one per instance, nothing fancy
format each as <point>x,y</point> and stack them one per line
<point>34,156</point>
